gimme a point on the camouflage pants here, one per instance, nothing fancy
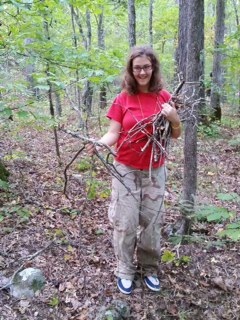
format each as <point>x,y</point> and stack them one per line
<point>137,214</point>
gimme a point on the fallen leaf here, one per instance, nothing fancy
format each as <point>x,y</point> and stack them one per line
<point>219,282</point>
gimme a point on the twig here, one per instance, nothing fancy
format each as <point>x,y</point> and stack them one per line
<point>67,166</point>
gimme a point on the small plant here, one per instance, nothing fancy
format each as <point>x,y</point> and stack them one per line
<point>99,232</point>
<point>4,185</point>
<point>84,165</point>
<point>214,214</point>
<point>231,231</point>
<point>232,196</point>
<point>235,142</point>
<point>54,302</point>
<point>211,130</point>
<point>97,189</point>
<point>230,122</point>
<point>23,213</point>
<point>170,257</point>
<point>70,212</point>
<point>4,174</point>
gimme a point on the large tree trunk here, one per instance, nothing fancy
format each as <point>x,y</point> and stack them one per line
<point>193,69</point>
<point>131,23</point>
<point>217,73</point>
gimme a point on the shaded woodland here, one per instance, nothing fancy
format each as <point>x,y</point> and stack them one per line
<point>61,66</point>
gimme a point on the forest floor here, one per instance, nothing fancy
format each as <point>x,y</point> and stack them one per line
<point>72,238</point>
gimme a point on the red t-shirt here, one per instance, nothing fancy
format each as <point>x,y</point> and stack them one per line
<point>128,110</point>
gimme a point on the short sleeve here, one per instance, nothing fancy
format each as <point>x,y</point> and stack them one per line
<point>165,95</point>
<point>115,112</point>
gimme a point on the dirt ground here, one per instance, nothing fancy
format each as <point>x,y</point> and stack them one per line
<point>72,238</point>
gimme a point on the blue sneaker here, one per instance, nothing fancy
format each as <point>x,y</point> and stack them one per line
<point>125,286</point>
<point>152,283</point>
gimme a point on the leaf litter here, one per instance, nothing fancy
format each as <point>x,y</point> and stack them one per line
<point>79,265</point>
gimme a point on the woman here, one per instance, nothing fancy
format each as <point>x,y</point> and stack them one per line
<point>136,209</point>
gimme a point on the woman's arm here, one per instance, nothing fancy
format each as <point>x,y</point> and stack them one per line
<point>109,138</point>
<point>112,135</point>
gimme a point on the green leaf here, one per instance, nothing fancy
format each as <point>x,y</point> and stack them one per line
<point>233,234</point>
<point>99,232</point>
<point>42,87</point>
<point>54,301</point>
<point>214,214</point>
<point>231,231</point>
<point>4,185</point>
<point>220,214</point>
<point>235,225</point>
<point>5,112</point>
<point>168,256</point>
<point>23,114</point>
<point>232,196</point>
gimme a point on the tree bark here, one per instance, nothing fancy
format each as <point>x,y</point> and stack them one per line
<point>217,73</point>
<point>75,18</point>
<point>234,2</point>
<point>151,2</point>
<point>88,90</point>
<point>181,52</point>
<point>58,103</point>
<point>194,70</point>
<point>101,45</point>
<point>29,71</point>
<point>131,23</point>
<point>50,95</point>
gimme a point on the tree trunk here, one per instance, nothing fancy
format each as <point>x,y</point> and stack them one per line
<point>234,2</point>
<point>217,73</point>
<point>29,72</point>
<point>131,23</point>
<point>181,52</point>
<point>194,70</point>
<point>88,90</point>
<point>101,45</point>
<point>75,17</point>
<point>151,2</point>
<point>50,94</point>
<point>58,103</point>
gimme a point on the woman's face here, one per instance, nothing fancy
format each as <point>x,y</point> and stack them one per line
<point>142,72</point>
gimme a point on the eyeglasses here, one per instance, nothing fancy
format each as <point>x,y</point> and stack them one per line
<point>146,68</point>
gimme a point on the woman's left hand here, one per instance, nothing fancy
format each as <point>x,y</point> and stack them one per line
<point>170,113</point>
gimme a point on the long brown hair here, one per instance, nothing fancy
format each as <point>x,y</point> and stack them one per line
<point>129,83</point>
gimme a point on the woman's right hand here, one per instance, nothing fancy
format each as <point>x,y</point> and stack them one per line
<point>91,149</point>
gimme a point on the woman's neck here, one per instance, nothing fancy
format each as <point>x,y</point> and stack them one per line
<point>143,89</point>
